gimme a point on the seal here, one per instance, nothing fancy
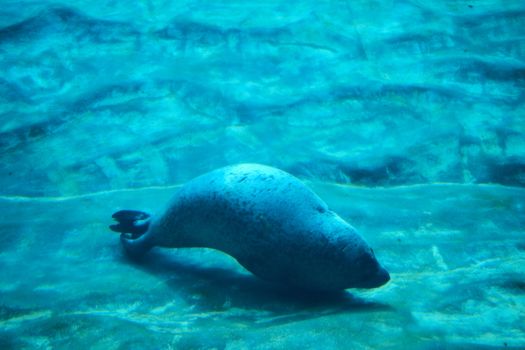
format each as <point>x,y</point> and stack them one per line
<point>268,220</point>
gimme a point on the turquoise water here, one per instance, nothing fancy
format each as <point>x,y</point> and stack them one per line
<point>406,117</point>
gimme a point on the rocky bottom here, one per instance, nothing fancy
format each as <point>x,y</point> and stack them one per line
<point>455,253</point>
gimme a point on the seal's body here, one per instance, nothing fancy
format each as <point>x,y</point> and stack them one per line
<point>269,221</point>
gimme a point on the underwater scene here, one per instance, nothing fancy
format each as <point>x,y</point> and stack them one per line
<point>364,180</point>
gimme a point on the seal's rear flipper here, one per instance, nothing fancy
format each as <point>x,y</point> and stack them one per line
<point>131,221</point>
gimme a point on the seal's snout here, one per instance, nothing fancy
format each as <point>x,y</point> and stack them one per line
<point>377,279</point>
<point>382,277</point>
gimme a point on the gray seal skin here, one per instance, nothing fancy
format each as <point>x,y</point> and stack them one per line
<point>275,226</point>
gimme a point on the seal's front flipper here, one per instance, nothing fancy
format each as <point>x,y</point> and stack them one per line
<point>131,221</point>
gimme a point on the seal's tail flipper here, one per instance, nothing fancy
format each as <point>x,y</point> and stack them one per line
<point>131,221</point>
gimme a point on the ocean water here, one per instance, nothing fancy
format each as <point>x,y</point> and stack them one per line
<point>407,117</point>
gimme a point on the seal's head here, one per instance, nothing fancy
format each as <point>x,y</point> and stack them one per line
<point>352,258</point>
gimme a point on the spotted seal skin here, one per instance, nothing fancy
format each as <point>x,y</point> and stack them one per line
<point>275,226</point>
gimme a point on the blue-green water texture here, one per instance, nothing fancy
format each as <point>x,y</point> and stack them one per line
<point>406,117</point>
